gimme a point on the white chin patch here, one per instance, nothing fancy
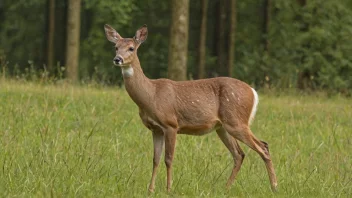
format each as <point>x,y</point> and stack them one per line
<point>117,64</point>
<point>127,71</point>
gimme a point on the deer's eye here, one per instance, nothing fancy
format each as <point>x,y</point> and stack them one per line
<point>116,48</point>
<point>131,49</point>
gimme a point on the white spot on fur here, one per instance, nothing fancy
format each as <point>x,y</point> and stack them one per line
<point>127,71</point>
<point>197,100</point>
<point>192,102</point>
<point>254,108</point>
<point>233,94</point>
<point>227,99</point>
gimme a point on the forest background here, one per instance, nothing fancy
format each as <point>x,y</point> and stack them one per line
<point>304,44</point>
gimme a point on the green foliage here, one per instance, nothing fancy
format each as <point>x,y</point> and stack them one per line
<point>314,39</point>
<point>96,52</point>
<point>309,45</point>
<point>64,141</point>
<point>126,17</point>
<point>153,53</point>
<point>22,29</point>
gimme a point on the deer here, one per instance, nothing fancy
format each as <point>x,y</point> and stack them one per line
<point>194,107</point>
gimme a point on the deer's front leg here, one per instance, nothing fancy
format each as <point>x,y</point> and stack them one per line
<point>158,141</point>
<point>170,141</point>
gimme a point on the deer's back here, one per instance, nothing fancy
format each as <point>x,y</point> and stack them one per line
<point>203,104</point>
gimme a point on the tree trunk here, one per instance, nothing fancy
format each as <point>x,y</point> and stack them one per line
<point>202,41</point>
<point>221,44</point>
<point>265,34</point>
<point>178,46</point>
<point>61,10</point>
<point>303,75</point>
<point>73,37</point>
<point>266,24</point>
<point>232,34</point>
<point>51,35</point>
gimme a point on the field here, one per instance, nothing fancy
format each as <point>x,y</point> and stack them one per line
<point>66,141</point>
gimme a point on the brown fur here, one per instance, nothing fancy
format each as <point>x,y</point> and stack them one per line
<point>195,107</point>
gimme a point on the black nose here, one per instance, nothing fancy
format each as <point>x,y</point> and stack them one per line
<point>118,60</point>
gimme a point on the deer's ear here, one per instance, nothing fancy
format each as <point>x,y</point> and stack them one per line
<point>111,34</point>
<point>141,34</point>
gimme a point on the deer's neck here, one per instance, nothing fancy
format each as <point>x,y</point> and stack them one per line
<point>138,86</point>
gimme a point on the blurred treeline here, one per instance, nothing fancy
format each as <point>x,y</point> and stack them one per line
<point>304,44</point>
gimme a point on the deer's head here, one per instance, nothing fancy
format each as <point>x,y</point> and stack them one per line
<point>126,48</point>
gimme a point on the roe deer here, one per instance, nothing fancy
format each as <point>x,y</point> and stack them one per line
<point>194,107</point>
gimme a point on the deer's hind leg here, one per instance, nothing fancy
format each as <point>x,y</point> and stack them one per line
<point>236,152</point>
<point>245,135</point>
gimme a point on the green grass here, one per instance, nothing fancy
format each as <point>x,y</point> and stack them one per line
<point>66,141</point>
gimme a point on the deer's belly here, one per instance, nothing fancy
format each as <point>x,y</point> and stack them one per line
<point>200,126</point>
<point>200,129</point>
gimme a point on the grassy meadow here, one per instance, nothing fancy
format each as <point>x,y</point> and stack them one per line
<point>66,141</point>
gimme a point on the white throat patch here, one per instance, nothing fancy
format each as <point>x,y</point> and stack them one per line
<point>127,71</point>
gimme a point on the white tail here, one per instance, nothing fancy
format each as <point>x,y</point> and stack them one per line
<point>254,108</point>
<point>196,107</point>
